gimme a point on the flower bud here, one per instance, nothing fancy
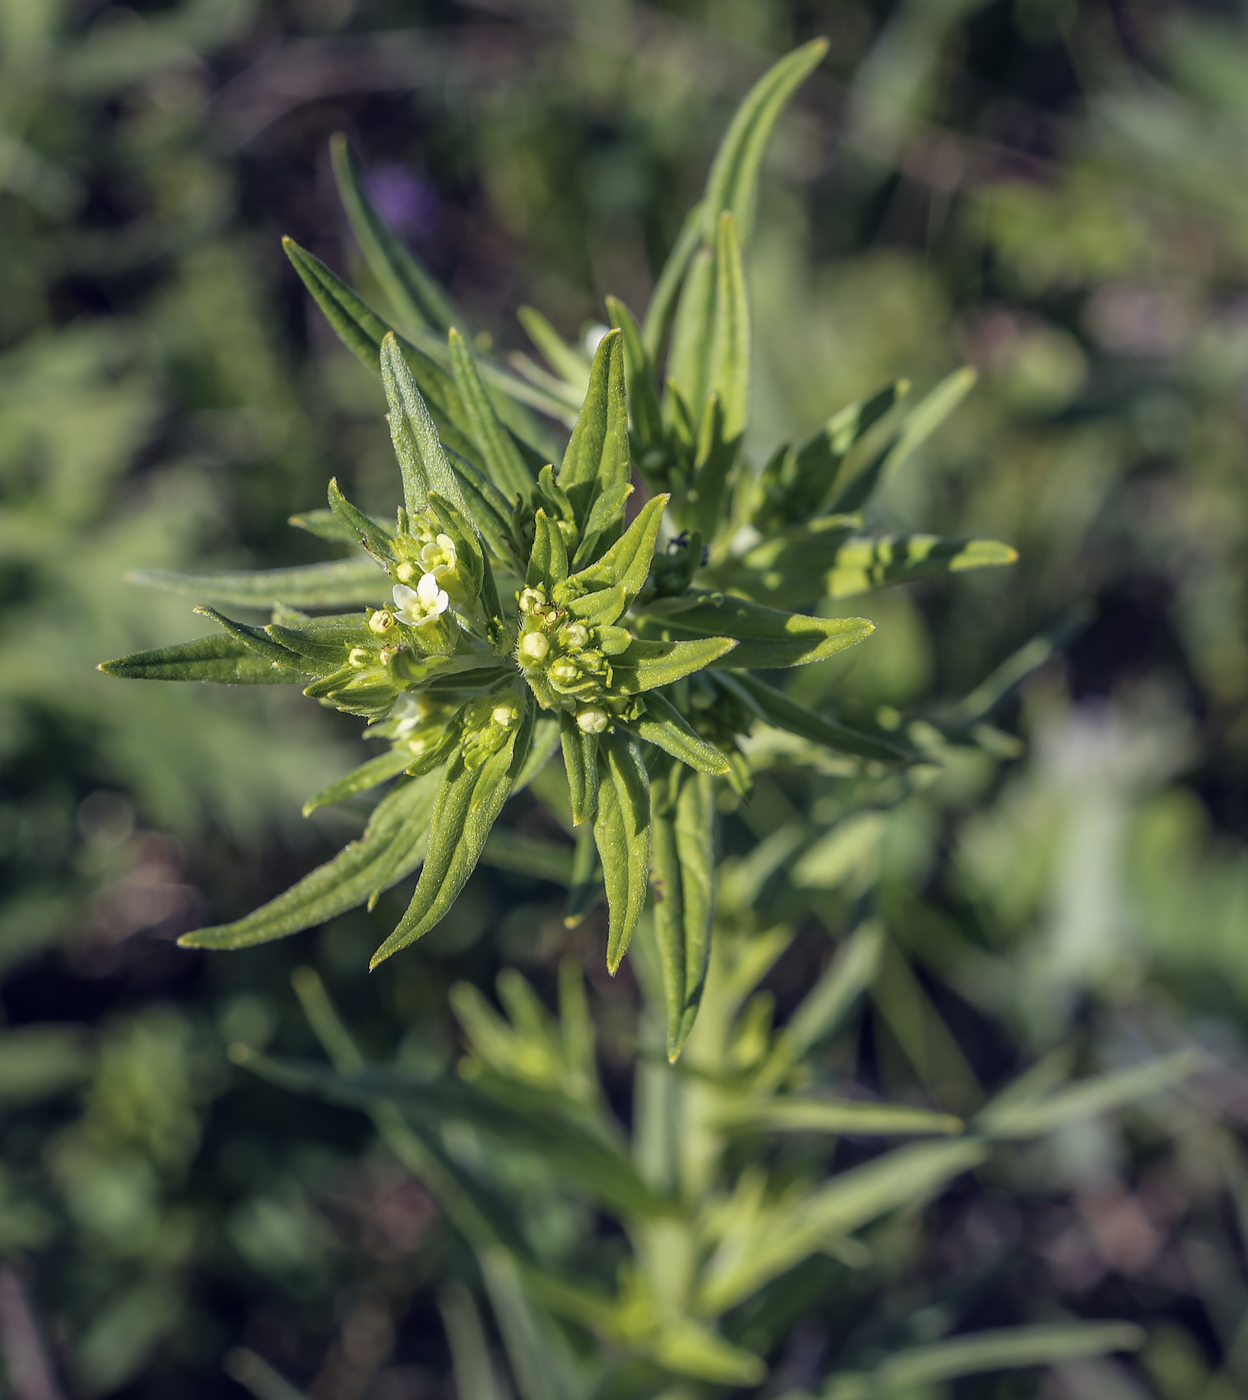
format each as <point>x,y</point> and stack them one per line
<point>592,720</point>
<point>533,648</point>
<point>381,621</point>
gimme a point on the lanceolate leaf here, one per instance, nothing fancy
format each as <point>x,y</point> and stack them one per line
<point>863,564</point>
<point>395,836</point>
<point>689,359</point>
<point>367,775</point>
<point>499,454</point>
<point>800,1114</point>
<point>325,525</point>
<point>377,539</point>
<point>422,461</point>
<point>256,640</point>
<point>729,375</point>
<point>627,563</point>
<point>413,293</point>
<point>664,726</point>
<point>596,459</point>
<point>733,181</point>
<point>586,888</point>
<point>220,658</point>
<point>683,855</point>
<point>646,665</point>
<point>662,308</point>
<point>622,834</point>
<point>766,638</point>
<point>468,803</point>
<point>775,708</point>
<point>644,409</point>
<point>580,760</point>
<point>333,585</point>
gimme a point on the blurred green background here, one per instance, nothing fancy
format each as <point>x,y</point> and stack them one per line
<point>1055,192</point>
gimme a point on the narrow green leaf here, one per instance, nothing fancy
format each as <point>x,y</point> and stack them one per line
<point>395,834</point>
<point>733,180</point>
<point>729,367</point>
<point>500,455</point>
<point>760,1248</point>
<point>627,563</point>
<point>415,435</point>
<point>664,726</point>
<point>917,426</point>
<point>338,583</point>
<point>799,1114</point>
<point>646,665</point>
<point>548,560</point>
<point>377,539</point>
<point>411,289</point>
<point>690,1349</point>
<point>220,658</point>
<point>797,482</point>
<point>362,331</point>
<point>1027,1118</point>
<point>256,640</point>
<point>580,760</point>
<point>622,834</point>
<point>662,307</point>
<point>367,775</point>
<point>605,523</point>
<point>767,638</point>
<point>693,329</point>
<point>596,459</point>
<point>325,525</point>
<point>645,412</point>
<point>468,803</point>
<point>568,363</point>
<point>1001,1349</point>
<point>683,879</point>
<point>864,564</point>
<point>775,708</point>
<point>542,748</point>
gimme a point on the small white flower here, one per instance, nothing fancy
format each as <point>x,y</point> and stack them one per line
<point>438,557</point>
<point>416,606</point>
<point>503,714</point>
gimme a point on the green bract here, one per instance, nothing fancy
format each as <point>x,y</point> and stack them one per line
<point>612,609</point>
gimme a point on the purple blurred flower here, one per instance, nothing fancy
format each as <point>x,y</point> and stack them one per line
<point>408,203</point>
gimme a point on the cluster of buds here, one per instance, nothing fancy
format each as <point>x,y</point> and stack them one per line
<point>487,725</point>
<point>567,661</point>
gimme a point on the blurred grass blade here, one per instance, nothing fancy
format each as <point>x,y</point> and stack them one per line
<point>586,888</point>
<point>396,834</point>
<point>255,1374</point>
<point>794,1114</point>
<point>331,585</point>
<point>916,427</point>
<point>662,307</point>
<point>1001,1349</point>
<point>1021,1118</point>
<point>475,1376</point>
<point>524,855</point>
<point>541,1361</point>
<point>412,290</point>
<point>570,364</point>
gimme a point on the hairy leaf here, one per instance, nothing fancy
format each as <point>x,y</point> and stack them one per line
<point>596,459</point>
<point>467,806</point>
<point>664,726</point>
<point>367,775</point>
<point>646,665</point>
<point>500,456</point>
<point>219,658</point>
<point>332,585</point>
<point>766,637</point>
<point>622,834</point>
<point>580,761</point>
<point>395,835</point>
